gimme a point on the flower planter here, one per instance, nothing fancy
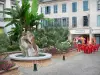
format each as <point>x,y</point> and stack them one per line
<point>11,71</point>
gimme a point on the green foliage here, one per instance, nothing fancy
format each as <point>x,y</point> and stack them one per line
<point>14,47</point>
<point>50,36</point>
<point>63,46</point>
<point>22,17</point>
<point>34,7</point>
<point>4,42</point>
<point>15,33</point>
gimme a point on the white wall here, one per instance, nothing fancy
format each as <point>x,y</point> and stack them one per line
<point>69,12</point>
<point>93,14</point>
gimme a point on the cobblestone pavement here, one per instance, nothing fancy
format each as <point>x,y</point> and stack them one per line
<point>81,64</point>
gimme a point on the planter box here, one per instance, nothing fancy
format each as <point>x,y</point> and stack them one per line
<point>12,71</point>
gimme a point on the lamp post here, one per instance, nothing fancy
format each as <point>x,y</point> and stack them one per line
<point>90,36</point>
<point>90,29</point>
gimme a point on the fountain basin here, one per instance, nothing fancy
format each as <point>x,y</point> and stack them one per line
<point>19,56</point>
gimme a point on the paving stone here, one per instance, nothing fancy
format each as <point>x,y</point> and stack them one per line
<point>81,64</point>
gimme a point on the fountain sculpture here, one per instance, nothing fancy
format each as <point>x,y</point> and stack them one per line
<point>30,50</point>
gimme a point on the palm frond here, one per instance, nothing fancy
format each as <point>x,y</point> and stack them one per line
<point>34,7</point>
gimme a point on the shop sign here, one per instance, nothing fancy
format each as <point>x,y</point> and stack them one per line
<point>79,31</point>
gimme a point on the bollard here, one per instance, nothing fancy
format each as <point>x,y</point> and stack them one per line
<point>35,67</point>
<point>63,57</point>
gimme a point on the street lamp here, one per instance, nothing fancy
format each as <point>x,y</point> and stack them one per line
<point>90,30</point>
<point>90,36</point>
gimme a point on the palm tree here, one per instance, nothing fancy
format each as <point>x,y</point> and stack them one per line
<point>22,17</point>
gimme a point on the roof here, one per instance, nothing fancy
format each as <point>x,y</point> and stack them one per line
<point>46,1</point>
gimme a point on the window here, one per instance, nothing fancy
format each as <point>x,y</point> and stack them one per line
<point>85,5</point>
<point>55,9</point>
<point>74,21</point>
<point>53,22</point>
<point>98,5</point>
<point>47,10</point>
<point>97,36</point>
<point>57,22</point>
<point>1,10</point>
<point>85,21</point>
<point>74,7</point>
<point>98,20</point>
<point>63,8</point>
<point>65,21</point>
<point>97,40</point>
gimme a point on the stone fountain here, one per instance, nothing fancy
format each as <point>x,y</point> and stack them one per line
<point>30,50</point>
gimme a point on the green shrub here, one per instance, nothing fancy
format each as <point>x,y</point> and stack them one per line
<point>14,47</point>
<point>63,46</point>
<point>4,42</point>
<point>49,36</point>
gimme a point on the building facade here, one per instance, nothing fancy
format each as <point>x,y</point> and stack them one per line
<point>5,4</point>
<point>82,17</point>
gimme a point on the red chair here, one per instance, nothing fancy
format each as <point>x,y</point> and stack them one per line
<point>79,47</point>
<point>82,47</point>
<point>85,49</point>
<point>93,48</point>
<point>89,49</point>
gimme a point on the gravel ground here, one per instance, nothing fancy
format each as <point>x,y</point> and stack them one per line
<point>81,64</point>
